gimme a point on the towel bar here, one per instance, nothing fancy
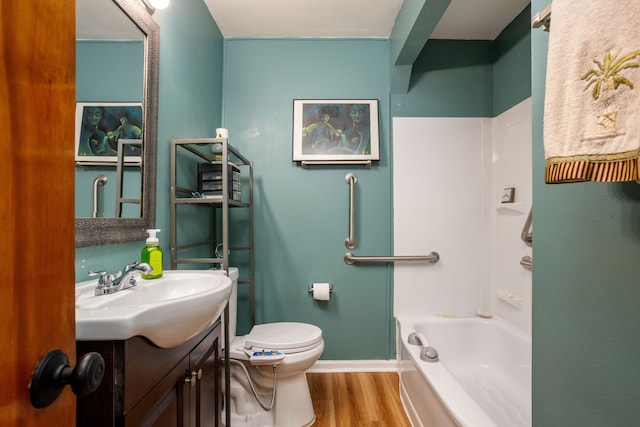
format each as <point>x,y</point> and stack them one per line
<point>542,19</point>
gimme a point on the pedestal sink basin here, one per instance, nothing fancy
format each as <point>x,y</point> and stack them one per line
<point>168,311</point>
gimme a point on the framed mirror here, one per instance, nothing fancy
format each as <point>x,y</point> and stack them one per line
<point>118,45</point>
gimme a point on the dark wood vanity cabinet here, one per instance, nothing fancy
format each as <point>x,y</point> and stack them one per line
<point>145,385</point>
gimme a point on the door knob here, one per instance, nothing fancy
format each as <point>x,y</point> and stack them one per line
<point>53,373</point>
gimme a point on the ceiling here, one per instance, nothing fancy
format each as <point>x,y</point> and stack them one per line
<point>103,20</point>
<point>464,19</point>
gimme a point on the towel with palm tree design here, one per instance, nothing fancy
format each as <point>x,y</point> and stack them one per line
<point>592,106</point>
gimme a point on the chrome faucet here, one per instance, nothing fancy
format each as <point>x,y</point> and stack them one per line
<point>111,283</point>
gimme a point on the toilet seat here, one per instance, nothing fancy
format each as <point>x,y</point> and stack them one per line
<point>286,337</point>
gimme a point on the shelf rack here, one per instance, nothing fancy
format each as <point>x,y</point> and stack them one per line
<point>209,150</point>
<point>202,149</point>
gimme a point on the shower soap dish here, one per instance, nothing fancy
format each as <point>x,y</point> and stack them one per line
<point>511,299</point>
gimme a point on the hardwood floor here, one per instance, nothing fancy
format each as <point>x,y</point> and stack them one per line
<point>357,399</point>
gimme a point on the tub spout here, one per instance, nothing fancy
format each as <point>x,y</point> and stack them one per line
<point>416,338</point>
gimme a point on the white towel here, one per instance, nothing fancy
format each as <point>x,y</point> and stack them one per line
<point>592,100</point>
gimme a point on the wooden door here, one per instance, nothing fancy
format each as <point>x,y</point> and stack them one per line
<point>37,103</point>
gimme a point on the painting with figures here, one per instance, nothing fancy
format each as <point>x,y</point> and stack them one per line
<point>335,130</point>
<point>101,127</point>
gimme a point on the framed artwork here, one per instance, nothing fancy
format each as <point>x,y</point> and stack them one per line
<point>99,127</point>
<point>335,130</point>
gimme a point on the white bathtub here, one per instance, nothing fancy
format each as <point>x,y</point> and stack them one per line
<point>482,378</point>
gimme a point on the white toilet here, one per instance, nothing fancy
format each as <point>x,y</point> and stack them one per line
<point>292,348</point>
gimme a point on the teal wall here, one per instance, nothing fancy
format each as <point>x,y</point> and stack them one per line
<point>301,215</point>
<point>190,97</point>
<point>470,78</point>
<point>512,63</point>
<point>585,289</point>
<point>451,78</point>
<point>109,71</point>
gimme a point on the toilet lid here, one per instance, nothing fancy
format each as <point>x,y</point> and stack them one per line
<point>284,336</point>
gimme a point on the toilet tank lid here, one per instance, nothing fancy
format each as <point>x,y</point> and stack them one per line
<point>283,336</point>
<point>234,273</point>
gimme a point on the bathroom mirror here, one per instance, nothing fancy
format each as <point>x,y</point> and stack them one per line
<point>102,24</point>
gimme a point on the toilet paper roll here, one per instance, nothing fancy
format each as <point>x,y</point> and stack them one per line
<point>321,291</point>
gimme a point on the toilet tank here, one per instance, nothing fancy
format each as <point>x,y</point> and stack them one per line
<point>233,304</point>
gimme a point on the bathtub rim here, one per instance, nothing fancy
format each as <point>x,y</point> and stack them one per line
<point>452,396</point>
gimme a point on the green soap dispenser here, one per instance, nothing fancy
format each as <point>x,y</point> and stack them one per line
<point>152,255</point>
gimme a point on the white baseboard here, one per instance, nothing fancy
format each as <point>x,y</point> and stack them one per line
<point>354,366</point>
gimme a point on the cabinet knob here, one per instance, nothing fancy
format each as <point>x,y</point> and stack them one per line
<point>53,373</point>
<point>193,377</point>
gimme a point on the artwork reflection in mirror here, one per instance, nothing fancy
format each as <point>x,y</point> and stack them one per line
<point>100,127</point>
<point>110,54</point>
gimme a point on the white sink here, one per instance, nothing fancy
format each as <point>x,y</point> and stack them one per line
<point>168,311</point>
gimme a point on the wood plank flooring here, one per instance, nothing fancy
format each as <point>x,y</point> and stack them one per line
<point>358,399</point>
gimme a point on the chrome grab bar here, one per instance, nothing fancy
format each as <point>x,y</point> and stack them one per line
<point>99,180</point>
<point>350,258</point>
<point>351,179</point>
<point>527,236</point>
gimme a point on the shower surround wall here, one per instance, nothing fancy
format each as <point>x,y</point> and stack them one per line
<point>449,176</point>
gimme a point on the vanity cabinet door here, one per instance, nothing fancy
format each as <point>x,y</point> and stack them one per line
<point>166,404</point>
<point>205,396</point>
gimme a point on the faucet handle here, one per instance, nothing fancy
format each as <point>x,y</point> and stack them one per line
<point>105,278</point>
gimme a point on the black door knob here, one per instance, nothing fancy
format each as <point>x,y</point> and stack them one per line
<point>53,373</point>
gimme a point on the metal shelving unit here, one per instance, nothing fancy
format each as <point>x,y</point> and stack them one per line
<point>210,150</point>
<point>201,150</point>
<point>120,164</point>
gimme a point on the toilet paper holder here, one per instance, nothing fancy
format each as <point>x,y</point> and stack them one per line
<point>310,288</point>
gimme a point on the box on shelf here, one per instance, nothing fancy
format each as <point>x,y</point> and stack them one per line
<point>210,180</point>
<point>213,171</point>
<point>216,185</point>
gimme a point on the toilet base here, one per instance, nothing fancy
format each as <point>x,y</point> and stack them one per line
<point>292,408</point>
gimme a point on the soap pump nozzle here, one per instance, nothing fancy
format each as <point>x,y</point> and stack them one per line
<point>153,239</point>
